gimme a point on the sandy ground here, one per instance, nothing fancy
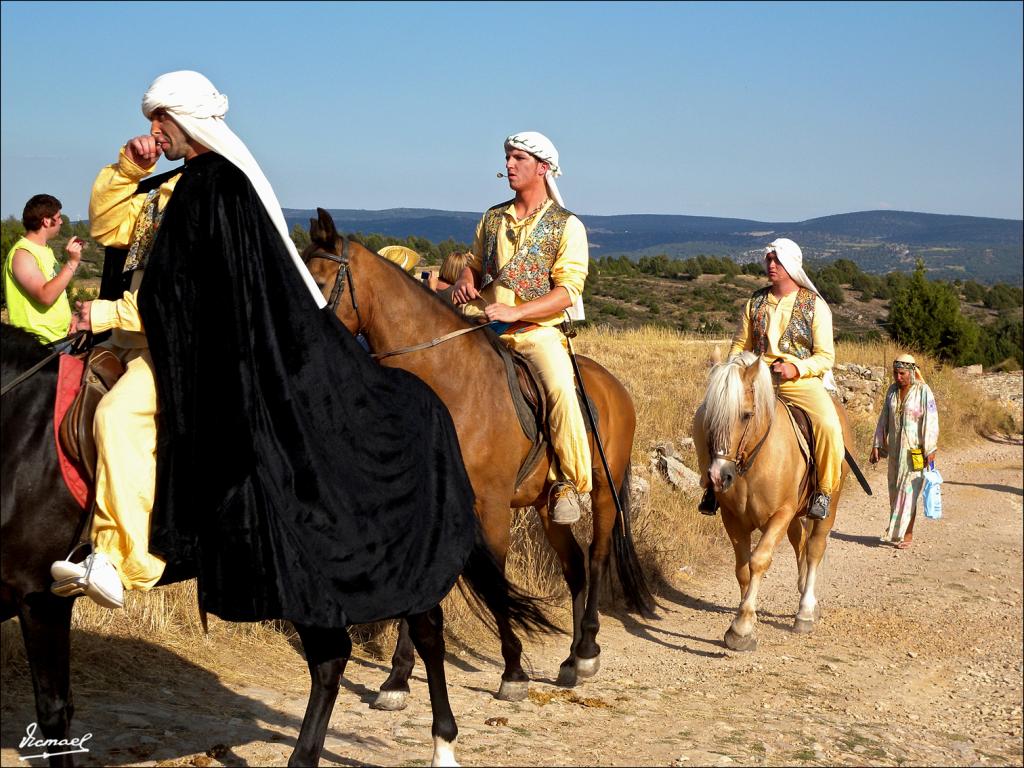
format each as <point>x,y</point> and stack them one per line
<point>917,660</point>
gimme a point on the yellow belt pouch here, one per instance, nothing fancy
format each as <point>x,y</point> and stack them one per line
<point>917,459</point>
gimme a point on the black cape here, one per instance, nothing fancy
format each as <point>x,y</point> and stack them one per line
<point>305,481</point>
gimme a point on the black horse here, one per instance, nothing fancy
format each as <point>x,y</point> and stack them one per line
<point>39,522</point>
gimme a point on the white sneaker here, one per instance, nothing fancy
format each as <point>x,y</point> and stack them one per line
<point>567,506</point>
<point>103,585</point>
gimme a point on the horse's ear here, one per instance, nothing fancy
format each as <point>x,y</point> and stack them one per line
<point>326,223</point>
<point>322,230</point>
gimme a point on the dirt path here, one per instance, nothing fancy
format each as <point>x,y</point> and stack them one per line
<point>917,661</point>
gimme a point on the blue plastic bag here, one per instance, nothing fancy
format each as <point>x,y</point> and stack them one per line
<point>932,493</point>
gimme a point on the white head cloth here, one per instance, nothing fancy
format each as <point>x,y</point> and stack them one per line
<point>792,258</point>
<point>199,109</point>
<point>540,146</point>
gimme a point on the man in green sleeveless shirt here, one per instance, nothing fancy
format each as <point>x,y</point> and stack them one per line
<point>790,325</point>
<point>529,263</point>
<point>34,287</point>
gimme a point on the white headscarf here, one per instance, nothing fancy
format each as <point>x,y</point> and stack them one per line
<point>540,146</point>
<point>199,109</point>
<point>792,259</point>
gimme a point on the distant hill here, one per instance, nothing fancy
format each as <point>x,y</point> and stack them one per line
<point>988,250</point>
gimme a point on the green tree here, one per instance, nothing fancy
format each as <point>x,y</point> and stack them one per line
<point>926,316</point>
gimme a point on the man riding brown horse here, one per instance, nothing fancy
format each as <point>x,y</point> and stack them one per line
<point>529,263</point>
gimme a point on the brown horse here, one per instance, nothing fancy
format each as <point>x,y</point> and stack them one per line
<point>762,483</point>
<point>374,297</point>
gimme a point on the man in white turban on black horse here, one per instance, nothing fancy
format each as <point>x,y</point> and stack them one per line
<point>301,480</point>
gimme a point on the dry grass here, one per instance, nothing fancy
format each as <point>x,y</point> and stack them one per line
<point>666,373</point>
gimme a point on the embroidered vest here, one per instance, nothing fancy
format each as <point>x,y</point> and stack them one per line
<point>798,338</point>
<point>145,233</point>
<point>528,272</point>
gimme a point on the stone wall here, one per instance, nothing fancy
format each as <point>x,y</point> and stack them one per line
<point>860,387</point>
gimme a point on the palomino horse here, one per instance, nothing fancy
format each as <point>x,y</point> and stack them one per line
<point>393,311</point>
<point>40,518</point>
<point>762,483</point>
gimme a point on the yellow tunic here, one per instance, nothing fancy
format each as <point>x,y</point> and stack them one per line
<point>546,347</point>
<point>808,391</point>
<point>125,425</point>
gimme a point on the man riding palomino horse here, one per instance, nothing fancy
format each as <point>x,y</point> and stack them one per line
<point>528,266</point>
<point>790,324</point>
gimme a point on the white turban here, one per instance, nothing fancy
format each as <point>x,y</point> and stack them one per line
<point>540,146</point>
<point>792,259</point>
<point>199,109</point>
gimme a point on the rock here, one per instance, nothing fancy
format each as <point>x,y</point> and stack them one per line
<point>678,475</point>
<point>969,370</point>
<point>664,448</point>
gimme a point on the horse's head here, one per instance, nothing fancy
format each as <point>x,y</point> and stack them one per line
<point>329,258</point>
<point>737,409</point>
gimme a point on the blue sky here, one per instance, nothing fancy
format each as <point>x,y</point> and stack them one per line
<point>769,111</point>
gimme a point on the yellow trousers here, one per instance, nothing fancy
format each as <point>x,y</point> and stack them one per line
<point>125,432</point>
<point>547,351</point>
<point>829,447</point>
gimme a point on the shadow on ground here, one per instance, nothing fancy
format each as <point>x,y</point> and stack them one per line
<point>144,702</point>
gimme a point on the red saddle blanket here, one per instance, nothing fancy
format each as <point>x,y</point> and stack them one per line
<point>69,381</point>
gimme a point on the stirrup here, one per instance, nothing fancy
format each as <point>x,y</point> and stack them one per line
<point>72,586</point>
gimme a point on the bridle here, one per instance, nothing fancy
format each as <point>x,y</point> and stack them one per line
<point>744,463</point>
<point>345,275</point>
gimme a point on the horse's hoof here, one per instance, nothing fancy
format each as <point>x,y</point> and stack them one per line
<point>588,667</point>
<point>803,626</point>
<point>444,754</point>
<point>567,676</point>
<point>737,642</point>
<point>391,701</point>
<point>513,690</point>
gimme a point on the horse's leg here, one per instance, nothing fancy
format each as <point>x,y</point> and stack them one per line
<point>798,538</point>
<point>46,629</point>
<point>809,610</point>
<point>327,652</point>
<point>570,557</point>
<point>427,634</point>
<point>741,635</point>
<point>588,652</point>
<point>395,690</point>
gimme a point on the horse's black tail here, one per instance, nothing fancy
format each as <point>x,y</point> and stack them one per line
<point>483,583</point>
<point>631,575</point>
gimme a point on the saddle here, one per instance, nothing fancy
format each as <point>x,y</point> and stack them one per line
<point>800,420</point>
<point>102,370</point>
<point>530,405</point>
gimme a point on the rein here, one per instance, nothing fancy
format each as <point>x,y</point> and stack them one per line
<point>344,273</point>
<point>431,343</point>
<point>38,366</point>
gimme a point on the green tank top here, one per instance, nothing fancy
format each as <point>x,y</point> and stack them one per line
<point>48,323</point>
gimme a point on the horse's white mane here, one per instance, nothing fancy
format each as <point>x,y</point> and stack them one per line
<point>724,399</point>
